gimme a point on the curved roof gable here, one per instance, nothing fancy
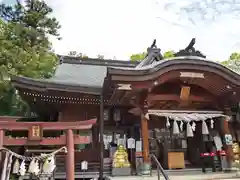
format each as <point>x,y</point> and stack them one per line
<point>177,63</point>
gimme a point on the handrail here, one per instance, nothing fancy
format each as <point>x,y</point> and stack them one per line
<point>159,168</point>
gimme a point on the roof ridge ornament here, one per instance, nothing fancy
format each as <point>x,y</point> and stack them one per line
<point>190,50</point>
<point>153,54</point>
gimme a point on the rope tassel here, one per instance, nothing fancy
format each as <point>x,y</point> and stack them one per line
<point>49,165</point>
<point>175,128</point>
<point>212,123</point>
<point>189,130</point>
<point>22,169</point>
<point>16,167</point>
<point>204,128</point>
<point>167,123</point>
<point>181,126</point>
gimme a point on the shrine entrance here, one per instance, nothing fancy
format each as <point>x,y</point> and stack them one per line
<point>189,97</point>
<point>44,163</point>
<point>177,138</point>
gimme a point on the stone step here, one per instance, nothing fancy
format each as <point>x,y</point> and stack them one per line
<point>183,176</point>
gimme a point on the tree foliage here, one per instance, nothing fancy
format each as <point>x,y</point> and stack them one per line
<point>138,56</point>
<point>233,62</point>
<point>141,56</point>
<point>168,54</point>
<point>24,46</point>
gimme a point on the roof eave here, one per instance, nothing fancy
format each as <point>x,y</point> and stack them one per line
<point>40,85</point>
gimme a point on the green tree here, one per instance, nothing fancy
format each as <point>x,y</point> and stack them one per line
<point>24,46</point>
<point>141,56</point>
<point>233,62</point>
<point>168,54</point>
<point>138,56</point>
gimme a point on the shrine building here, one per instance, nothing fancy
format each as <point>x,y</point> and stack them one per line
<point>175,108</point>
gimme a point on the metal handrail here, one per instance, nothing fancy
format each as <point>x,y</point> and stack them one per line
<point>159,168</point>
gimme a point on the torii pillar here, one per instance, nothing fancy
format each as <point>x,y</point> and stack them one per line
<point>70,166</point>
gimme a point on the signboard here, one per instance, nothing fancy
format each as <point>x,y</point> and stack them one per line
<point>228,139</point>
<point>84,165</point>
<point>218,143</point>
<point>131,143</point>
<point>138,146</point>
<point>191,75</point>
<point>35,132</point>
<point>124,87</point>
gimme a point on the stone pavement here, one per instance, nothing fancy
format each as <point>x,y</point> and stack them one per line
<point>185,176</point>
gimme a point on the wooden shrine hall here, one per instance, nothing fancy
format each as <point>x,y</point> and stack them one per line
<point>173,108</point>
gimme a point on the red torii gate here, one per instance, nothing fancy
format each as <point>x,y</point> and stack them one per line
<point>35,136</point>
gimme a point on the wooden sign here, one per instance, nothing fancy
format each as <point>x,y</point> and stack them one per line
<point>124,87</point>
<point>185,92</point>
<point>35,132</point>
<point>131,143</point>
<point>228,139</point>
<point>191,75</point>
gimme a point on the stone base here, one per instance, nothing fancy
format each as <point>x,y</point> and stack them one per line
<point>125,171</point>
<point>145,169</point>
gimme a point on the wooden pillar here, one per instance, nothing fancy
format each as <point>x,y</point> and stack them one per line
<point>228,148</point>
<point>1,144</point>
<point>145,139</point>
<point>101,130</point>
<point>70,165</point>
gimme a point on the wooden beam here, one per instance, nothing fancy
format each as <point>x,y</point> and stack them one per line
<point>48,125</point>
<point>174,97</point>
<point>9,141</point>
<point>9,118</point>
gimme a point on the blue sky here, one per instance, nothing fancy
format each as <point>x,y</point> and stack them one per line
<point>122,27</point>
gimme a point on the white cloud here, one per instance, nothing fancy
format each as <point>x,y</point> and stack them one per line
<point>122,27</point>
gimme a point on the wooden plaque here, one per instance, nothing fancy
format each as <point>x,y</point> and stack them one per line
<point>35,132</point>
<point>185,92</point>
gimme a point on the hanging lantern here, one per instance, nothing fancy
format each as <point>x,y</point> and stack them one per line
<point>16,167</point>
<point>189,130</point>
<point>117,115</point>
<point>22,168</point>
<point>167,123</point>
<point>204,128</point>
<point>175,127</point>
<point>194,126</point>
<point>181,126</point>
<point>212,123</point>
